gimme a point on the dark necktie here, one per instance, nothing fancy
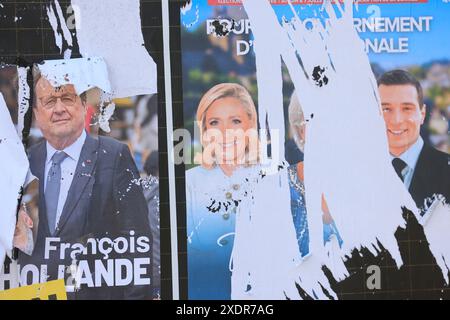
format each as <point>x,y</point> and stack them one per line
<point>399,166</point>
<point>52,189</point>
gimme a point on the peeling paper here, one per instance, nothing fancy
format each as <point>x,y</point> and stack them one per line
<point>112,29</point>
<point>12,179</point>
<point>265,247</point>
<point>88,75</point>
<point>106,111</point>
<point>65,30</point>
<point>54,23</point>
<point>436,225</point>
<point>83,73</point>
<point>67,36</point>
<point>105,115</point>
<point>347,124</point>
<point>23,98</point>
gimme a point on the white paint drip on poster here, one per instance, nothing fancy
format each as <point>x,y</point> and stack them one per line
<point>88,75</point>
<point>436,225</point>
<point>106,111</point>
<point>265,241</point>
<point>66,33</point>
<point>123,68</point>
<point>186,8</point>
<point>365,206</point>
<point>54,23</point>
<point>23,98</point>
<point>12,179</point>
<point>105,115</point>
<point>112,29</point>
<point>84,73</point>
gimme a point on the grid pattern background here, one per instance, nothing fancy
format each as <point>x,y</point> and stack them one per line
<point>27,37</point>
<point>26,33</point>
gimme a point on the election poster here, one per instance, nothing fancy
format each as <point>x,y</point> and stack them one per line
<point>316,149</point>
<point>79,148</point>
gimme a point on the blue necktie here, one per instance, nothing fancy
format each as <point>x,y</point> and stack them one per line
<point>399,166</point>
<point>52,189</point>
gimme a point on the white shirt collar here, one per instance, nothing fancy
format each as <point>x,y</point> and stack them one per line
<point>411,155</point>
<point>73,151</point>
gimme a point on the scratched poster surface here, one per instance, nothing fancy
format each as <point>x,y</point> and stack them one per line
<point>79,140</point>
<point>318,166</point>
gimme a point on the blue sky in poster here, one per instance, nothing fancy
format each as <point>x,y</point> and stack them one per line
<point>423,46</point>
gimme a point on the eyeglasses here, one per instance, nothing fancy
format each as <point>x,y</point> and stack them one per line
<point>67,99</point>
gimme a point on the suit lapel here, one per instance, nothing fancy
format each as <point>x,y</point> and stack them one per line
<point>420,177</point>
<point>83,173</point>
<point>38,169</point>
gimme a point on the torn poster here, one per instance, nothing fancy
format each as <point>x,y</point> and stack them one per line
<point>23,98</point>
<point>351,206</point>
<point>13,176</point>
<point>57,19</point>
<point>73,232</point>
<point>112,30</point>
<point>436,225</point>
<point>89,76</point>
<point>84,73</point>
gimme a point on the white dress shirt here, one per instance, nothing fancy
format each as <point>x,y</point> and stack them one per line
<point>68,167</point>
<point>410,157</point>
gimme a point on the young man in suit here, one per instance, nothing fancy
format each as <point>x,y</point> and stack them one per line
<point>87,190</point>
<point>424,170</point>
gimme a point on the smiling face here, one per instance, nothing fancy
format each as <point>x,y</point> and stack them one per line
<point>403,116</point>
<point>227,120</point>
<point>59,112</point>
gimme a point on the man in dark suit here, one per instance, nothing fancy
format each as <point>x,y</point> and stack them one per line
<point>88,190</point>
<point>425,171</point>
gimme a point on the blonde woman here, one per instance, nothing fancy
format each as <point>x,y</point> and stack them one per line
<point>216,189</point>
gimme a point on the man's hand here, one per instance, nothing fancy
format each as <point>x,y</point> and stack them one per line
<point>23,231</point>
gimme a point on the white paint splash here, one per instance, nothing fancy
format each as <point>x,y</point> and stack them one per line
<point>23,98</point>
<point>187,7</point>
<point>105,115</point>
<point>436,225</point>
<point>12,179</point>
<point>66,35</point>
<point>115,60</point>
<point>265,250</point>
<point>187,10</point>
<point>346,137</point>
<point>106,111</point>
<point>112,29</point>
<point>84,73</point>
<point>88,75</point>
<point>54,23</point>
